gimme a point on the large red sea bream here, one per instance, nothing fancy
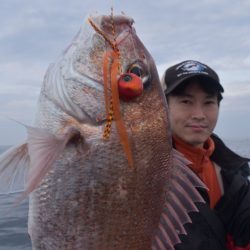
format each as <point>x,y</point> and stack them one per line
<point>98,164</point>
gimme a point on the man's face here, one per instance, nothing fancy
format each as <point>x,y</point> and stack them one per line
<point>193,115</point>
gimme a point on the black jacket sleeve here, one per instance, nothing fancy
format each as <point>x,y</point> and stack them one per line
<point>234,206</point>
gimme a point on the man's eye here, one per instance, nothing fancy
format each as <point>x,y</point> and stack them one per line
<point>212,102</point>
<point>184,101</point>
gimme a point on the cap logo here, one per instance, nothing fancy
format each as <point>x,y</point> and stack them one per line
<point>191,67</point>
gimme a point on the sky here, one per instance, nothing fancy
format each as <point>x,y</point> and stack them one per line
<point>33,33</point>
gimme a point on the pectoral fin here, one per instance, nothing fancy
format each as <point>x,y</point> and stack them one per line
<point>44,149</point>
<point>14,166</point>
<point>23,167</point>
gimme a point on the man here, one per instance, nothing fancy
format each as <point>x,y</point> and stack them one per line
<point>193,91</point>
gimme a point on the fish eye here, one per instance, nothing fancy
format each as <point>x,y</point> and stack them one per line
<point>139,68</point>
<point>136,69</point>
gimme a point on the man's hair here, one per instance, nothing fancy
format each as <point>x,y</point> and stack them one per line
<point>205,85</point>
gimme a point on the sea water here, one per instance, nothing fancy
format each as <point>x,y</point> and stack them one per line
<point>13,224</point>
<point>13,221</point>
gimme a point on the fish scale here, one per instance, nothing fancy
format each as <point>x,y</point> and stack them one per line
<point>94,201</point>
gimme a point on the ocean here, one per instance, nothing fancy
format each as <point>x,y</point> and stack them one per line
<point>13,224</point>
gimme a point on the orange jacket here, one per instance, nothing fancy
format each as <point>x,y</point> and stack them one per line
<point>202,166</point>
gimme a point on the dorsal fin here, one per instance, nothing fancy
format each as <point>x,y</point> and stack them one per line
<point>180,200</point>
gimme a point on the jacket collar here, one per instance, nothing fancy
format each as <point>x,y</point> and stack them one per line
<point>197,156</point>
<point>225,157</point>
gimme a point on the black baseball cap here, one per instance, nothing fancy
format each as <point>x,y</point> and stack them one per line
<point>182,71</point>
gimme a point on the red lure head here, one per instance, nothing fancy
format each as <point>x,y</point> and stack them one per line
<point>130,86</point>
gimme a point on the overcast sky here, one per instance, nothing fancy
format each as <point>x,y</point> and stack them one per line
<point>216,32</point>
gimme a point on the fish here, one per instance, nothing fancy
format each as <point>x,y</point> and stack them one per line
<point>98,163</point>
